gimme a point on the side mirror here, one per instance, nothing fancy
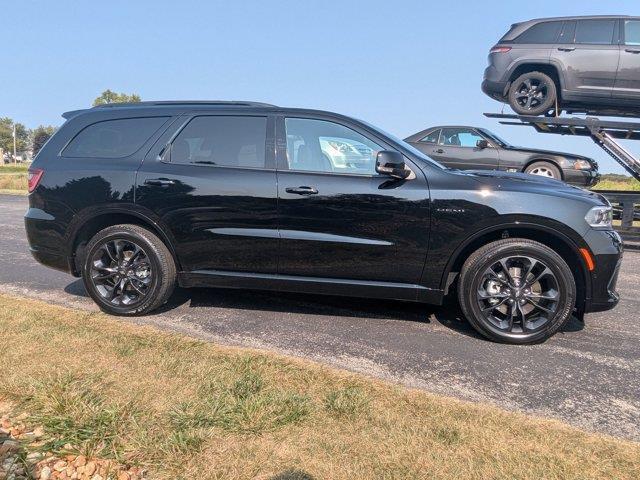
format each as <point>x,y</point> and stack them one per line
<point>482,144</point>
<point>391,163</point>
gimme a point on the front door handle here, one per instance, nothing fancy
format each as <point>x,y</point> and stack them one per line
<point>439,150</point>
<point>632,50</point>
<point>159,182</point>
<point>566,49</point>
<point>303,190</point>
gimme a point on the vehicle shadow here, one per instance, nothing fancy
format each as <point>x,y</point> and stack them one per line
<point>448,315</point>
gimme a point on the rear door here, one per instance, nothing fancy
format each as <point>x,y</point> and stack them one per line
<point>457,148</point>
<point>628,79</point>
<point>587,55</point>
<point>213,186</point>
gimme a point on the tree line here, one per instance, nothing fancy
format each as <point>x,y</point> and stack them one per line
<point>34,139</point>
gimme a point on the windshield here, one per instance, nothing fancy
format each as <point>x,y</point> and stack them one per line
<point>495,138</point>
<point>405,145</point>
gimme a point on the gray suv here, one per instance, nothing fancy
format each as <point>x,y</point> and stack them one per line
<point>577,64</point>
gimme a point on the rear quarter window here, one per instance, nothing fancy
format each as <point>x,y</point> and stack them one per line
<point>544,32</point>
<point>113,138</point>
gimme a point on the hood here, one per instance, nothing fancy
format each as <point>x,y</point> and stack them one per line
<point>498,180</point>
<point>549,152</point>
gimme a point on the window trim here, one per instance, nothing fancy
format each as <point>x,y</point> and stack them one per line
<point>612,42</point>
<point>464,146</point>
<point>167,119</point>
<point>164,154</point>
<point>283,164</point>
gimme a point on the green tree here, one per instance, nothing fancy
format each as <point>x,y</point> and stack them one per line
<point>40,135</point>
<point>6,136</point>
<point>113,97</point>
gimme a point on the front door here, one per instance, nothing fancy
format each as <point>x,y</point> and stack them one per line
<point>214,188</point>
<point>588,55</point>
<point>458,148</point>
<point>628,78</point>
<point>339,219</point>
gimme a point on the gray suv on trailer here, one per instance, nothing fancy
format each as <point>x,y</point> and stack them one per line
<point>577,64</point>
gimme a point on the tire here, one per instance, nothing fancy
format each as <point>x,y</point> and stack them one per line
<point>532,93</point>
<point>535,326</point>
<point>544,169</point>
<point>139,265</point>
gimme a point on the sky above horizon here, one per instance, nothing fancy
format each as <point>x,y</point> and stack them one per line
<point>402,66</point>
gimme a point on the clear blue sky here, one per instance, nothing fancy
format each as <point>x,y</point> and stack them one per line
<point>402,65</point>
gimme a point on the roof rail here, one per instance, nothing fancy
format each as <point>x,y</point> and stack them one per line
<point>240,103</point>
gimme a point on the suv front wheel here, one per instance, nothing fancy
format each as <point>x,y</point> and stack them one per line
<point>532,93</point>
<point>128,270</point>
<point>516,291</point>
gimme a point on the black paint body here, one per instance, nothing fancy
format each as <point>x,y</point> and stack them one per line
<point>361,235</point>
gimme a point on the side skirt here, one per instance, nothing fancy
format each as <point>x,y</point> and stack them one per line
<point>314,285</point>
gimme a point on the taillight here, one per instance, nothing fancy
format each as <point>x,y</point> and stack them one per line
<point>34,176</point>
<point>500,50</point>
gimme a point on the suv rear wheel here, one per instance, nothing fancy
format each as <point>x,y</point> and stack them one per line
<point>128,270</point>
<point>532,93</point>
<point>516,291</point>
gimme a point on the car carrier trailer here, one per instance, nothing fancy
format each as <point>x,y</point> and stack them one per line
<point>604,133</point>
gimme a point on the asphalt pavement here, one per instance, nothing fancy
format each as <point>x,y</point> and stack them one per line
<point>587,375</point>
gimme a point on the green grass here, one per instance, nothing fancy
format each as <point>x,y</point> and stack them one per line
<point>14,168</point>
<point>612,181</point>
<point>188,409</point>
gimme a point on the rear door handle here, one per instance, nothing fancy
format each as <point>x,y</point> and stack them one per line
<point>439,150</point>
<point>566,49</point>
<point>632,50</point>
<point>303,190</point>
<point>159,182</point>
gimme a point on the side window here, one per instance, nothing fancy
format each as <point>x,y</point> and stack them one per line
<point>632,32</point>
<point>322,146</point>
<point>113,138</point>
<point>545,32</point>
<point>431,137</point>
<point>595,32</point>
<point>459,137</point>
<point>222,140</point>
<point>568,32</point>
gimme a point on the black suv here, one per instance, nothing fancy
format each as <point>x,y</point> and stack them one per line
<point>135,197</point>
<point>471,148</point>
<point>586,64</point>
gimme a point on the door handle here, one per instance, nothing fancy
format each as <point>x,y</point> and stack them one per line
<point>439,150</point>
<point>159,182</point>
<point>632,50</point>
<point>303,190</point>
<point>566,49</point>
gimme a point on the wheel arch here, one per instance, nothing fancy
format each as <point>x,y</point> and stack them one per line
<point>539,66</point>
<point>546,160</point>
<point>552,238</point>
<point>90,223</point>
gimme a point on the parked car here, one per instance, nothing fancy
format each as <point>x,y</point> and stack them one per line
<point>134,198</point>
<point>471,148</point>
<point>584,64</point>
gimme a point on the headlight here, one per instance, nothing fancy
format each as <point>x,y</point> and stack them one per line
<point>600,217</point>
<point>582,165</point>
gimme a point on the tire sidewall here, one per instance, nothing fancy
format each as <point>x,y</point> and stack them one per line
<point>149,250</point>
<point>566,290</point>
<point>542,109</point>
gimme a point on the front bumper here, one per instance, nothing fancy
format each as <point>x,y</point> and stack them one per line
<point>583,178</point>
<point>607,248</point>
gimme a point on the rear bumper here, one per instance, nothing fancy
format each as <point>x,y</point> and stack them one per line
<point>496,90</point>
<point>43,234</point>
<point>584,178</point>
